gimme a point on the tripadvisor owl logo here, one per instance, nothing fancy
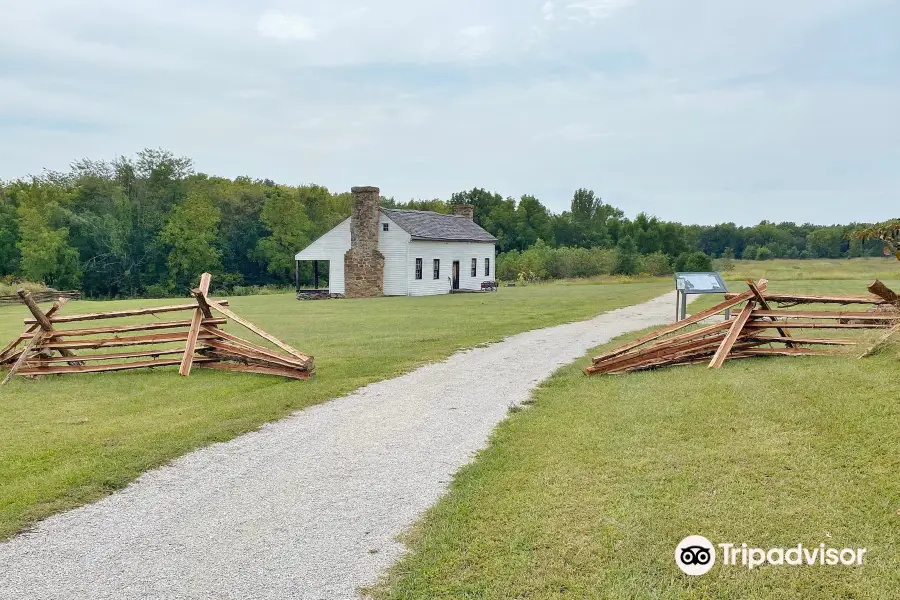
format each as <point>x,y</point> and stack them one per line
<point>695,555</point>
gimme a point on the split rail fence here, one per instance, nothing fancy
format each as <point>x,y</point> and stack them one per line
<point>45,349</point>
<point>42,296</point>
<point>758,330</point>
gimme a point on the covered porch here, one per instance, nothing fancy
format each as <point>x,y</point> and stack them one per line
<point>312,276</point>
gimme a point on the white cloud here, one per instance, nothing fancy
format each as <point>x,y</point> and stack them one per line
<point>475,31</point>
<point>282,26</point>
<point>548,11</point>
<point>596,9</point>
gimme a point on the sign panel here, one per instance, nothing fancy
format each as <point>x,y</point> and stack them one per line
<point>700,283</point>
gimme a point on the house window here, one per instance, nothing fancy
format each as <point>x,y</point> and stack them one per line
<point>487,267</point>
<point>474,267</point>
<point>418,268</point>
<point>385,226</point>
<point>437,268</point>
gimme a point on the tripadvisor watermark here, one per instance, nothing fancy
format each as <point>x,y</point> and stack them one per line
<point>696,555</point>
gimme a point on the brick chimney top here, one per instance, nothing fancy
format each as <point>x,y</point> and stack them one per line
<point>464,210</point>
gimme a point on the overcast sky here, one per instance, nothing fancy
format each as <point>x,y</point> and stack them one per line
<point>693,110</point>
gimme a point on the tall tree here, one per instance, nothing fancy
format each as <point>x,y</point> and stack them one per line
<point>285,217</point>
<point>533,222</point>
<point>190,235</point>
<point>44,245</point>
<point>9,232</point>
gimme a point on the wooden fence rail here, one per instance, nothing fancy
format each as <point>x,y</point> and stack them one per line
<point>42,296</point>
<point>742,337</point>
<point>45,349</point>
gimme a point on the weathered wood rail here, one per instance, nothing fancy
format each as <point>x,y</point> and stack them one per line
<point>45,349</point>
<point>743,336</point>
<point>42,296</point>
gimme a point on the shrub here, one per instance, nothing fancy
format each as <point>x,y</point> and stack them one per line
<point>508,265</point>
<point>160,290</point>
<point>764,254</point>
<point>533,261</point>
<point>693,262</point>
<point>792,252</point>
<point>656,264</point>
<point>750,252</point>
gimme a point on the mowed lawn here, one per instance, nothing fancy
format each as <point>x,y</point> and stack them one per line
<point>586,492</point>
<point>68,440</point>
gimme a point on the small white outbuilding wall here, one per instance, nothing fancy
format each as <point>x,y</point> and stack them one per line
<point>400,253</point>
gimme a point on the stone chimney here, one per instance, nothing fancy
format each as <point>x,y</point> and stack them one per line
<point>463,210</point>
<point>364,264</point>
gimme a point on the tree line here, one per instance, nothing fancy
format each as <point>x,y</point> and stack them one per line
<point>148,225</point>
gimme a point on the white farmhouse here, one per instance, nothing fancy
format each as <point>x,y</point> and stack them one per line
<point>387,252</point>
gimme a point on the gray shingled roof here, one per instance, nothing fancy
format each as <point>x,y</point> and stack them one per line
<point>426,225</point>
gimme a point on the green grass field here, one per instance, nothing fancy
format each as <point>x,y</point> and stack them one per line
<point>587,491</point>
<point>816,269</point>
<point>68,440</point>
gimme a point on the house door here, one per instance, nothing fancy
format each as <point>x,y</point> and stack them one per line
<point>455,274</point>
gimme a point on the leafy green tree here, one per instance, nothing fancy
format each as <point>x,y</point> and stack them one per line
<point>99,217</point>
<point>827,242</point>
<point>44,246</point>
<point>154,183</point>
<point>190,236</point>
<point>716,239</point>
<point>626,257</point>
<point>9,233</point>
<point>285,217</point>
<point>533,222</point>
<point>587,225</point>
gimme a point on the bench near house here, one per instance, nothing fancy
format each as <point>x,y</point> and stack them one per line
<point>388,252</point>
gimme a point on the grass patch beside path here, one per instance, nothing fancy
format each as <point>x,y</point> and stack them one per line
<point>69,440</point>
<point>814,269</point>
<point>586,493</point>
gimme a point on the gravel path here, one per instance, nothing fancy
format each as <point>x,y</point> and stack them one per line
<point>308,507</point>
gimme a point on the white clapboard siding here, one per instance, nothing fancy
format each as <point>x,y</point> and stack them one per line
<point>331,247</point>
<point>393,244</point>
<point>447,252</point>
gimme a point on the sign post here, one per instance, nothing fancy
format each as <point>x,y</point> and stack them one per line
<point>696,283</point>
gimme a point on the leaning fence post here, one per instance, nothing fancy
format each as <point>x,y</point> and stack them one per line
<point>44,322</point>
